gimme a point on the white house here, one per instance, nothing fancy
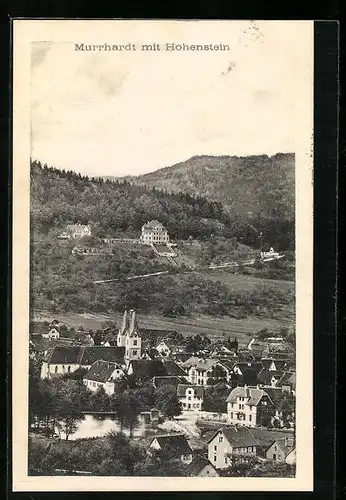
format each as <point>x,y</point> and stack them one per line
<point>201,467</point>
<point>282,450</point>
<point>190,396</point>
<point>154,232</point>
<point>248,405</point>
<point>52,334</point>
<point>78,230</point>
<point>203,371</point>
<point>166,347</point>
<point>103,374</point>
<point>228,443</point>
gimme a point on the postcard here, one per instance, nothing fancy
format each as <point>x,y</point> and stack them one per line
<point>162,255</point>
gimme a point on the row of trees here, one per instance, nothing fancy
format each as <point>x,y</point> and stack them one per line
<point>58,405</point>
<point>114,455</point>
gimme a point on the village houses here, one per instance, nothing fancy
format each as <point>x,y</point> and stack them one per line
<point>248,406</point>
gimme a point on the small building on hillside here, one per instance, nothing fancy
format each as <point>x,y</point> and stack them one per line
<point>166,347</point>
<point>154,232</point>
<point>190,396</point>
<point>52,334</point>
<point>174,446</point>
<point>249,406</point>
<point>75,231</point>
<point>201,467</point>
<point>103,374</point>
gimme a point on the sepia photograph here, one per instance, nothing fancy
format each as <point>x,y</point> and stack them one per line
<point>163,241</point>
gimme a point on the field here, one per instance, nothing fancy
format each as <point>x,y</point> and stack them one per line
<point>204,325</point>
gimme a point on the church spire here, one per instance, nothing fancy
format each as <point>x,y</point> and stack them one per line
<point>133,322</point>
<point>124,324</point>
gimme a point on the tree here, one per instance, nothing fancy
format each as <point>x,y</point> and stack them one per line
<point>68,409</point>
<point>167,401</point>
<point>100,401</point>
<point>127,408</point>
<point>125,451</point>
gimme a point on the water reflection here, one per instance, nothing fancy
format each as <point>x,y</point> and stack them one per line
<point>97,427</point>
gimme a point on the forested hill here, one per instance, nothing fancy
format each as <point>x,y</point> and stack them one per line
<point>60,197</point>
<point>261,184</point>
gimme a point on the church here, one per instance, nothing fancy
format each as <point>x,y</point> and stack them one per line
<point>129,337</point>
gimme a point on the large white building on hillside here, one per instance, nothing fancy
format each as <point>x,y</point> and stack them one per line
<point>154,232</point>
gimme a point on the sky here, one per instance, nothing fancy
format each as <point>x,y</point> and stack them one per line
<point>129,113</point>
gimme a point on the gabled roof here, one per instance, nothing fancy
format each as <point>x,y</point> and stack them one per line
<point>197,465</point>
<point>252,395</point>
<point>94,353</point>
<point>265,376</point>
<point>78,227</point>
<point>67,355</point>
<point>288,378</point>
<point>173,444</point>
<point>147,367</point>
<point>167,380</point>
<point>241,437</point>
<point>279,363</point>
<point>153,224</point>
<point>285,445</point>
<point>101,371</point>
<point>85,355</point>
<point>173,369</point>
<point>198,390</point>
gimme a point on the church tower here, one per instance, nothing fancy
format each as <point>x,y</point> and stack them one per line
<point>121,339</point>
<point>133,341</point>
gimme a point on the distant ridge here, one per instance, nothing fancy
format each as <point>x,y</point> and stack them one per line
<point>259,185</point>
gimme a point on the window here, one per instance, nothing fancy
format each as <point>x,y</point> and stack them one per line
<point>220,439</point>
<point>215,448</point>
<point>214,458</point>
<point>135,342</point>
<point>274,457</point>
<point>135,352</point>
<point>231,414</point>
<point>250,418</point>
<point>239,407</point>
<point>69,369</point>
<point>56,369</point>
<point>226,459</point>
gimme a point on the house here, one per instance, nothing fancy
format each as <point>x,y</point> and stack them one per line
<point>249,406</point>
<point>288,382</point>
<point>129,337</point>
<point>190,396</point>
<point>165,380</point>
<point>103,374</point>
<point>174,446</point>
<point>52,334</point>
<point>274,365</point>
<point>201,467</point>
<point>145,369</point>
<point>172,369</point>
<point>166,347</point>
<point>77,230</point>
<point>269,377</point>
<point>208,371</point>
<point>284,406</point>
<point>280,449</point>
<point>229,443</point>
<point>63,359</point>
<point>154,232</point>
